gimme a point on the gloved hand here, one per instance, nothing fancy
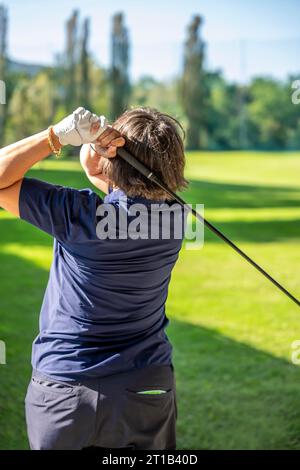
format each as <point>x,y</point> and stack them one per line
<point>80,127</point>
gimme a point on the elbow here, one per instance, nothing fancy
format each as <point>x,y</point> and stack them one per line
<point>5,178</point>
<point>3,185</point>
<point>6,182</point>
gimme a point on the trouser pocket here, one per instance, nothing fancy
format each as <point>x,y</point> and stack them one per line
<point>151,412</point>
<point>143,407</point>
<point>51,410</point>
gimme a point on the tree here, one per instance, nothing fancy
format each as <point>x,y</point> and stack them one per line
<point>193,90</point>
<point>271,113</point>
<point>84,80</point>
<point>31,107</point>
<point>119,77</point>
<point>157,94</point>
<point>222,115</point>
<point>99,95</point>
<point>71,60</point>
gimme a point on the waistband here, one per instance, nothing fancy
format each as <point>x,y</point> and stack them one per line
<point>162,374</point>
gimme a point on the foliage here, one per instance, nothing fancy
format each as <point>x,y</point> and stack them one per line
<point>119,78</point>
<point>217,114</point>
<point>193,90</point>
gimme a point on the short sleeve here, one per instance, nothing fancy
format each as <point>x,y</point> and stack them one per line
<point>67,214</point>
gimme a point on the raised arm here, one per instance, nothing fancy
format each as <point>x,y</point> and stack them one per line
<point>15,160</point>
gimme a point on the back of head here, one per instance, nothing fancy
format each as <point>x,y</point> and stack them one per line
<point>154,139</point>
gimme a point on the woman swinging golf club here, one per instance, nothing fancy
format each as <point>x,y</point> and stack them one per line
<point>102,364</point>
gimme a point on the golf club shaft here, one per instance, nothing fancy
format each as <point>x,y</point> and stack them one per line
<point>123,153</point>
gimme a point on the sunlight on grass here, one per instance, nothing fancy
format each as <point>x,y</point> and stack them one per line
<point>62,165</point>
<point>218,289</point>
<point>276,169</point>
<point>42,255</point>
<point>272,213</point>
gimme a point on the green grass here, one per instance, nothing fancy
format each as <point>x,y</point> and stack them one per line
<point>231,329</point>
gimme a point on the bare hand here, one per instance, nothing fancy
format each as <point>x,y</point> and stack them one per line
<point>105,147</point>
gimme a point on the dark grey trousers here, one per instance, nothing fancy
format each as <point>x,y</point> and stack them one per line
<point>107,412</point>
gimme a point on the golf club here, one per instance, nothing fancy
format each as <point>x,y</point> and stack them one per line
<point>129,158</point>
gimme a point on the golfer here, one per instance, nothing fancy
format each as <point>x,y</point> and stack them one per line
<point>102,374</point>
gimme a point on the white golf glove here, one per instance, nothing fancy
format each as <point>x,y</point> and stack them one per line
<point>80,127</point>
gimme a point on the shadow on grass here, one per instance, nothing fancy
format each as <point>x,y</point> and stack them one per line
<point>21,292</point>
<point>256,231</point>
<point>230,395</point>
<point>224,195</point>
<point>18,231</point>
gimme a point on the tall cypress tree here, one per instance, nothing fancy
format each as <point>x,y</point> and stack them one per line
<point>119,76</point>
<point>71,59</point>
<point>3,65</point>
<point>193,89</point>
<point>84,65</point>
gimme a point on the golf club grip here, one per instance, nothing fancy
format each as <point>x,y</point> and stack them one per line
<point>146,172</point>
<point>123,153</point>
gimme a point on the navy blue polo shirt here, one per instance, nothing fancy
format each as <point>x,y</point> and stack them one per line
<point>104,307</point>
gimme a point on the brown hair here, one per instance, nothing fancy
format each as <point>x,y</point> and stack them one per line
<point>154,139</point>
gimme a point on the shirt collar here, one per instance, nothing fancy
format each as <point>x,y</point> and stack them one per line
<point>119,195</point>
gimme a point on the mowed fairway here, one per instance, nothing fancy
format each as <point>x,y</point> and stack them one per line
<point>231,329</point>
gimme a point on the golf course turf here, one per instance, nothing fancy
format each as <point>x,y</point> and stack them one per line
<point>231,329</point>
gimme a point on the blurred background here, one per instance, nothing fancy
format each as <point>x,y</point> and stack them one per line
<point>228,71</point>
<point>225,70</point>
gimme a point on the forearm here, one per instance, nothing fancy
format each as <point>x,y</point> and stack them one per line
<point>16,159</point>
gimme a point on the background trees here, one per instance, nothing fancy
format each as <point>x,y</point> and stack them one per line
<point>217,115</point>
<point>119,76</point>
<point>194,94</point>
